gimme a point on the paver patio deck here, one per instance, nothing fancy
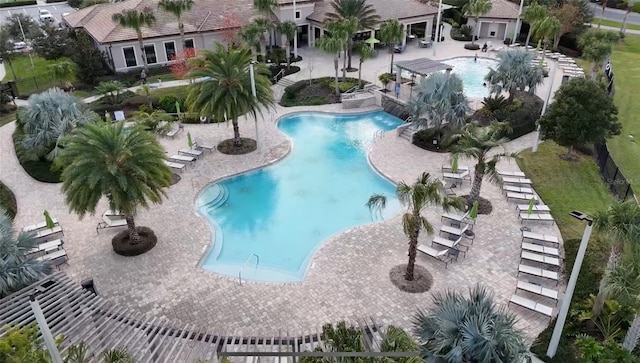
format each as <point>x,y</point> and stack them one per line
<point>348,275</point>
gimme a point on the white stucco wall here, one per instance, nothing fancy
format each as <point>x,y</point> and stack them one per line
<point>492,23</point>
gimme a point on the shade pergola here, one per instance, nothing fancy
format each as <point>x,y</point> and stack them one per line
<point>422,66</point>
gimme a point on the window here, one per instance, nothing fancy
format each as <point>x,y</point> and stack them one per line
<point>130,56</point>
<point>297,15</point>
<point>170,50</point>
<point>150,54</point>
<point>492,34</point>
<point>189,44</point>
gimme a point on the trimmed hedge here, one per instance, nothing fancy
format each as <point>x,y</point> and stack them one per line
<point>18,3</point>
<point>456,34</point>
<point>40,170</point>
<point>8,201</point>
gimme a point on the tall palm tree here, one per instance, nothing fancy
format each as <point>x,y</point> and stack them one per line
<point>365,52</point>
<point>16,269</point>
<point>125,166</point>
<point>596,47</point>
<point>425,192</point>
<point>177,8</point>
<point>347,26</point>
<point>474,329</point>
<point>533,13</point>
<point>623,27</point>
<point>514,73</point>
<point>621,224</point>
<point>226,94</point>
<point>475,9</point>
<point>391,32</point>
<point>604,6</point>
<point>443,99</point>
<point>48,117</point>
<point>365,15</point>
<point>288,29</point>
<point>333,43</point>
<point>545,29</point>
<point>262,26</point>
<point>476,142</point>
<point>250,33</point>
<point>136,20</point>
<point>264,7</point>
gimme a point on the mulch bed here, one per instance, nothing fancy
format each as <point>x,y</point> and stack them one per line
<point>422,279</point>
<point>246,146</point>
<point>484,205</point>
<point>122,244</point>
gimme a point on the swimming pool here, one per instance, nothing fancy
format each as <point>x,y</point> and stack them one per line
<point>282,213</point>
<point>472,74</point>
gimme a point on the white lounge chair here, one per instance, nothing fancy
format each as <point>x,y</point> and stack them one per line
<point>543,217</point>
<point>531,305</point>
<point>537,289</point>
<point>173,165</point>
<point>516,180</point>
<point>182,158</point>
<point>540,208</point>
<point>203,145</point>
<point>540,249</point>
<point>110,223</point>
<point>552,261</point>
<point>511,173</point>
<point>540,237</point>
<point>190,152</point>
<point>46,247</point>
<point>448,188</point>
<point>440,255</point>
<point>519,197</point>
<point>118,115</point>
<point>41,225</point>
<point>539,272</point>
<point>49,232</point>
<point>458,177</point>
<point>511,188</point>
<point>173,132</point>
<point>113,213</point>
<point>455,231</point>
<point>448,168</point>
<point>457,218</point>
<point>452,244</point>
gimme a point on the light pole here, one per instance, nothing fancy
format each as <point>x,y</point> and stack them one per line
<point>536,142</point>
<point>24,38</point>
<point>44,327</point>
<point>437,37</point>
<point>295,36</point>
<point>568,294</point>
<point>516,31</point>
<point>253,92</point>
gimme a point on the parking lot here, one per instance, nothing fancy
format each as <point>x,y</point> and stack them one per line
<point>55,9</point>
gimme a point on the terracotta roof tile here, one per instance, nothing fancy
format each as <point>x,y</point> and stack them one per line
<point>386,9</point>
<point>502,9</point>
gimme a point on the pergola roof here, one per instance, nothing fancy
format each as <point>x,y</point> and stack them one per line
<point>422,66</point>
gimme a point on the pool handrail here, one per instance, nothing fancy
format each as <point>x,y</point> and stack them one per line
<point>245,264</point>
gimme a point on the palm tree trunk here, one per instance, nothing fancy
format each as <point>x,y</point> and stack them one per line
<point>631,339</point>
<point>182,39</point>
<point>477,182</point>
<point>144,57</point>
<point>344,66</point>
<point>623,27</point>
<point>236,132</point>
<point>288,49</point>
<point>391,65</point>
<point>263,48</point>
<point>349,51</point>
<point>604,5</point>
<point>477,31</point>
<point>528,36</point>
<point>336,64</point>
<point>612,263</point>
<point>134,236</point>
<point>360,74</point>
<point>592,71</point>
<point>569,152</point>
<point>413,248</point>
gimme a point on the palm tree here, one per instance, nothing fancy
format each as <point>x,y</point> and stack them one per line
<point>48,117</point>
<point>545,29</point>
<point>16,269</point>
<point>288,29</point>
<point>604,6</point>
<point>443,99</point>
<point>347,26</point>
<point>621,224</point>
<point>391,32</point>
<point>364,14</point>
<point>62,70</point>
<point>265,7</point>
<point>262,25</point>
<point>623,27</point>
<point>365,52</point>
<point>514,73</point>
<point>125,166</point>
<point>425,192</point>
<point>596,47</point>
<point>474,329</point>
<point>177,8</point>
<point>476,142</point>
<point>136,20</point>
<point>111,91</point>
<point>156,121</point>
<point>533,13</point>
<point>624,283</point>
<point>250,33</point>
<point>226,94</point>
<point>475,9</point>
<point>119,355</point>
<point>332,43</point>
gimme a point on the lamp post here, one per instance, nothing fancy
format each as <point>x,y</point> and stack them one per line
<point>24,38</point>
<point>253,92</point>
<point>564,309</point>
<point>536,142</point>
<point>49,342</point>
<point>516,31</point>
<point>437,37</point>
<point>295,36</point>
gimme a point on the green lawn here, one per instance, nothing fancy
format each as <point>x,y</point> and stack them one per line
<point>616,24</point>
<point>34,78</point>
<point>566,185</point>
<point>624,149</point>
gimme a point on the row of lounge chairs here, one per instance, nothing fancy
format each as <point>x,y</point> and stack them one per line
<point>47,249</point>
<point>518,189</point>
<point>451,237</point>
<point>188,155</point>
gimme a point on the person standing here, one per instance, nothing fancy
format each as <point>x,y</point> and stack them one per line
<point>143,77</point>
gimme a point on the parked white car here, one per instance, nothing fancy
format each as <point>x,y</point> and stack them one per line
<point>45,16</point>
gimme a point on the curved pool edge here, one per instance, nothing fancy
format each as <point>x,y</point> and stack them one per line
<point>291,145</point>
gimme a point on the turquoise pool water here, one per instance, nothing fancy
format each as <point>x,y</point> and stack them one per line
<point>282,213</point>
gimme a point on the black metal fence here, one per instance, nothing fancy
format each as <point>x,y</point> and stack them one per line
<point>612,175</point>
<point>35,84</point>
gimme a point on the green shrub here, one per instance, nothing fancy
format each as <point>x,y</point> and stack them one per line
<point>40,170</point>
<point>636,8</point>
<point>18,3</point>
<point>168,103</point>
<point>347,85</point>
<point>8,201</point>
<point>425,139</point>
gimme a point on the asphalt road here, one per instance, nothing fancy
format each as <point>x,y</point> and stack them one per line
<point>56,10</point>
<point>614,14</point>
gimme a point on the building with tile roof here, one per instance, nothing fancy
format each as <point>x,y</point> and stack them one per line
<point>499,23</point>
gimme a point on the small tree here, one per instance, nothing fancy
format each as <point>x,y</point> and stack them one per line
<point>333,44</point>
<point>232,23</point>
<point>53,42</point>
<point>475,9</point>
<point>89,60</point>
<point>7,53</point>
<point>581,113</point>
<point>288,29</point>
<point>385,79</point>
<point>596,46</point>
<point>365,52</point>
<point>111,91</point>
<point>63,71</point>
<point>156,121</point>
<point>179,66</point>
<point>391,32</point>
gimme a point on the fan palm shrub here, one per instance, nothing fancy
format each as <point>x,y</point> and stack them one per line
<point>473,329</point>
<point>364,15</point>
<point>136,20</point>
<point>124,165</point>
<point>391,32</point>
<point>17,270</point>
<point>423,193</point>
<point>476,143</point>
<point>226,94</point>
<point>476,9</point>
<point>48,117</point>
<point>514,73</point>
<point>444,101</point>
<point>177,8</point>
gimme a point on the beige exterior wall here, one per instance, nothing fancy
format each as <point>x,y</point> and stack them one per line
<point>492,24</point>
